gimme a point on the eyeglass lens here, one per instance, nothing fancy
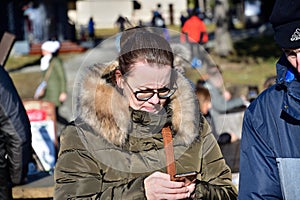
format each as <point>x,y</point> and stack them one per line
<point>144,95</point>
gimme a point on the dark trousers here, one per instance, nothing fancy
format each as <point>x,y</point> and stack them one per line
<point>195,50</point>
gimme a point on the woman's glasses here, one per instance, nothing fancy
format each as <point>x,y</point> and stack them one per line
<point>145,95</point>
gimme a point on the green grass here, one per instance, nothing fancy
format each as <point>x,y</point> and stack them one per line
<point>104,33</point>
<point>26,83</point>
<point>14,62</point>
<point>258,49</point>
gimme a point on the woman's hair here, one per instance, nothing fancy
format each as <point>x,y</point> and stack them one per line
<point>202,94</point>
<point>139,44</point>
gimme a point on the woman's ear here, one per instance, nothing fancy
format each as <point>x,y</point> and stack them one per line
<point>119,76</point>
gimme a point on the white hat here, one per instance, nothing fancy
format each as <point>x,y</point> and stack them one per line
<point>51,46</point>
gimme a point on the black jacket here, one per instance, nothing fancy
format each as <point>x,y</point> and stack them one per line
<point>15,134</point>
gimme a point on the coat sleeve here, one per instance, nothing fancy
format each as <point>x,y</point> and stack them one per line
<point>78,176</point>
<point>219,103</point>
<point>259,177</point>
<point>15,129</point>
<point>216,176</point>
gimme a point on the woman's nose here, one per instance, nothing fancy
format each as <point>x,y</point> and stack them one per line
<point>154,99</point>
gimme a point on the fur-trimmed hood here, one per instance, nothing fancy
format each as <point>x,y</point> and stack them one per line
<point>106,110</point>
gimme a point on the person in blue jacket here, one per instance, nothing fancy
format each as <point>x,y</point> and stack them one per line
<point>270,147</point>
<point>15,137</point>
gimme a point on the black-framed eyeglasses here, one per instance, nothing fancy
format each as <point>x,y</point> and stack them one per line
<point>145,95</point>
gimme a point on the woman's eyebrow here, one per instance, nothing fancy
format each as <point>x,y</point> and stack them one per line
<point>151,88</point>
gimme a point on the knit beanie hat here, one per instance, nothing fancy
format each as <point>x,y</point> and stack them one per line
<point>285,19</point>
<point>51,46</point>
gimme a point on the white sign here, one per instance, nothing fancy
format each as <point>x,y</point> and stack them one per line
<point>43,142</point>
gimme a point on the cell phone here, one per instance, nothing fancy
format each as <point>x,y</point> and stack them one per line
<point>187,177</point>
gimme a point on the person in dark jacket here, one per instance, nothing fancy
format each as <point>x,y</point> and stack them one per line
<point>115,148</point>
<point>15,137</point>
<point>270,151</point>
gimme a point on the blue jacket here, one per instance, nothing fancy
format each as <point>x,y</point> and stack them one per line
<point>271,132</point>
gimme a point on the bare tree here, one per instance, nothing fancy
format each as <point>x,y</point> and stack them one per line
<point>223,42</point>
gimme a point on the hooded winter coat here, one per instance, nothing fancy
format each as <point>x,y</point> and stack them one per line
<point>269,162</point>
<point>110,148</point>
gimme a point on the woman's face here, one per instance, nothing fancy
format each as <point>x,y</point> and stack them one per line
<point>142,82</point>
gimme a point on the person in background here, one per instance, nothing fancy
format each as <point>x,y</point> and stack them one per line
<point>205,104</point>
<point>194,32</point>
<point>159,22</point>
<point>115,148</point>
<point>227,111</point>
<point>270,151</point>
<point>56,91</point>
<point>157,18</point>
<point>15,137</point>
<point>82,32</point>
<point>183,18</point>
<point>121,23</point>
<point>204,99</point>
<point>228,142</point>
<point>271,80</point>
<point>91,28</point>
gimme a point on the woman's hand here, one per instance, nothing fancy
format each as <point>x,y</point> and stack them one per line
<point>62,97</point>
<point>159,186</point>
<point>227,95</point>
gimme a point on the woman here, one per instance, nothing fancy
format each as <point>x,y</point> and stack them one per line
<point>115,148</point>
<point>52,65</point>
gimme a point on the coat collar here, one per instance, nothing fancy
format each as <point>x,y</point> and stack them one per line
<point>290,82</point>
<point>106,110</point>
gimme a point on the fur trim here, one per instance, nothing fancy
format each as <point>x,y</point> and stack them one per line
<point>102,107</point>
<point>106,109</point>
<point>185,108</point>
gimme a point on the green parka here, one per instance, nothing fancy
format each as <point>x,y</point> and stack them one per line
<point>110,149</point>
<point>56,83</point>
